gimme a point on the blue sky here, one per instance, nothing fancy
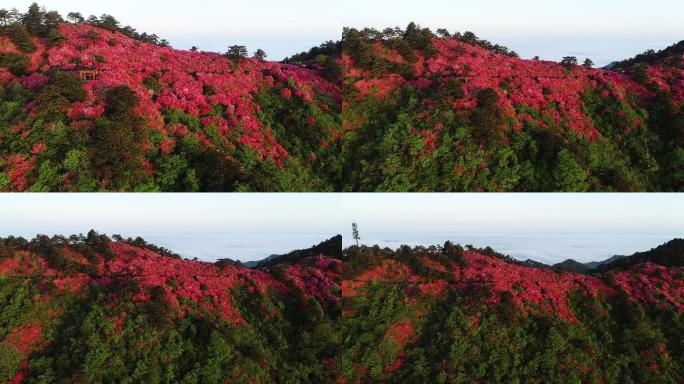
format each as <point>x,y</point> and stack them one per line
<point>604,30</point>
<point>253,226</point>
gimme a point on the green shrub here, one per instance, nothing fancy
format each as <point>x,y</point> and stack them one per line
<point>21,38</point>
<point>16,63</point>
<point>117,140</point>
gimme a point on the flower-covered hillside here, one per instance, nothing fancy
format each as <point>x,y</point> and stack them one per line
<point>445,314</point>
<point>157,317</point>
<point>196,120</point>
<point>428,112</point>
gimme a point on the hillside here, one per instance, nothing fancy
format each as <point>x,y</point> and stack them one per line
<point>427,112</point>
<point>670,56</point>
<point>91,309</point>
<point>87,108</point>
<point>448,314</point>
<point>670,254</point>
<point>331,248</point>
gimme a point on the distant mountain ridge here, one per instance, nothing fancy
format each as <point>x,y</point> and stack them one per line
<point>571,266</point>
<point>670,254</point>
<point>253,264</point>
<point>596,264</point>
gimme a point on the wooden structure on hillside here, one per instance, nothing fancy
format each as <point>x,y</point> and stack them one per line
<point>89,75</point>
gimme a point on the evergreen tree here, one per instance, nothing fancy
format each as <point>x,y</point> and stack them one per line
<point>75,17</point>
<point>117,140</point>
<point>237,52</point>
<point>21,38</point>
<point>355,233</point>
<point>33,20</point>
<point>569,174</point>
<point>260,54</point>
<point>569,61</point>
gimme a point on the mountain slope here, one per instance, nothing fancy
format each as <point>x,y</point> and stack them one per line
<point>92,309</point>
<point>444,314</point>
<point>200,121</point>
<point>331,248</point>
<point>670,254</point>
<point>454,113</point>
<point>669,56</point>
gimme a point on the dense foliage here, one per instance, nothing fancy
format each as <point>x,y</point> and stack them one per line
<point>448,315</point>
<point>455,113</point>
<point>191,121</point>
<point>89,309</point>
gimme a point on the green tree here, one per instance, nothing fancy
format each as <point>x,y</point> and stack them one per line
<point>568,174</point>
<point>15,63</point>
<point>33,20</point>
<point>355,233</point>
<point>64,88</point>
<point>260,54</point>
<point>108,22</point>
<point>237,52</point>
<point>21,38</point>
<point>4,17</point>
<point>117,140</point>
<point>75,17</point>
<point>489,121</point>
<point>569,61</point>
<point>51,20</point>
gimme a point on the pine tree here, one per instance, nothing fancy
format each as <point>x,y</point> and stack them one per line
<point>33,20</point>
<point>355,233</point>
<point>237,52</point>
<point>260,54</point>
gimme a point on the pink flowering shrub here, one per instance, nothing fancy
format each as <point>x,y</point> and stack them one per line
<point>400,333</point>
